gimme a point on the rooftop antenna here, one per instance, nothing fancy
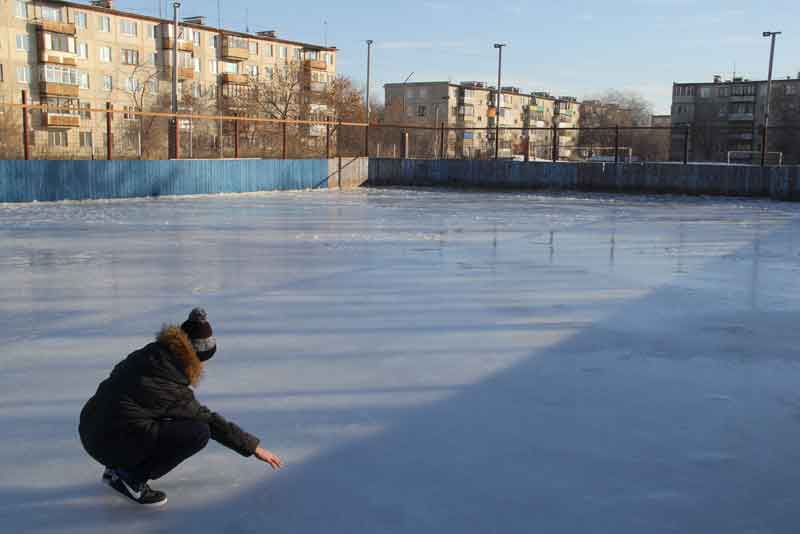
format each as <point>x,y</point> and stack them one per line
<point>734,71</point>
<point>247,20</point>
<point>325,24</point>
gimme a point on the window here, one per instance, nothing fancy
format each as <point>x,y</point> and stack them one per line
<point>105,54</point>
<point>196,38</point>
<point>196,62</point>
<point>23,43</point>
<point>21,9</point>
<point>130,57</point>
<point>24,74</point>
<point>312,55</point>
<point>329,59</point>
<point>421,111</point>
<point>2,74</point>
<point>251,70</point>
<point>83,50</point>
<point>59,42</point>
<point>297,54</point>
<point>230,68</point>
<point>57,138</point>
<point>791,90</point>
<point>59,74</point>
<point>108,82</point>
<point>128,114</point>
<point>236,42</point>
<point>283,52</point>
<point>705,92</point>
<point>268,72</point>
<point>83,80</point>
<point>128,27</point>
<point>154,58</point>
<point>213,42</point>
<point>85,113</point>
<point>103,24</point>
<point>254,48</point>
<point>132,84</point>
<point>51,13</point>
<point>152,86</point>
<point>196,90</point>
<point>212,66</point>
<point>85,139</point>
<point>80,20</point>
<point>152,31</point>
<point>269,50</point>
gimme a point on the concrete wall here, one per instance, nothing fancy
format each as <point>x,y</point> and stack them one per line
<point>347,173</point>
<point>696,179</point>
<point>27,181</point>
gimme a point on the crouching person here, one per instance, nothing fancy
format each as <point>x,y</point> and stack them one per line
<point>144,419</point>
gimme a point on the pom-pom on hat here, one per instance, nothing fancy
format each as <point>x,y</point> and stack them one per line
<point>199,331</point>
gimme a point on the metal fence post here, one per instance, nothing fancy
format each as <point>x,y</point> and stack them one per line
<point>686,145</point>
<point>283,152</point>
<point>109,135</point>
<point>555,143</point>
<point>26,147</point>
<point>441,143</point>
<point>366,141</point>
<point>236,138</point>
<point>616,144</point>
<point>763,145</point>
<point>527,146</point>
<point>327,141</point>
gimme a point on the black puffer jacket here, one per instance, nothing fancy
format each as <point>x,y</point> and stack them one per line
<point>119,425</point>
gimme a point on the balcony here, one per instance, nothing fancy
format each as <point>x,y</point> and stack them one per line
<point>316,64</point>
<point>56,58</point>
<point>184,46</point>
<point>58,89</point>
<point>317,87</point>
<point>231,52</point>
<point>66,28</point>
<point>60,120</point>
<point>235,79</point>
<point>743,98</point>
<point>186,73</point>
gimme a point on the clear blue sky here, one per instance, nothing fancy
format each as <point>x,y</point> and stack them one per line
<point>569,47</point>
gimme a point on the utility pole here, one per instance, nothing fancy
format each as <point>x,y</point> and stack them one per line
<point>499,47</point>
<point>369,83</point>
<point>176,6</point>
<point>772,35</point>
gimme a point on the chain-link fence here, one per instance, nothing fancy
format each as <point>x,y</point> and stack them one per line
<point>67,131</point>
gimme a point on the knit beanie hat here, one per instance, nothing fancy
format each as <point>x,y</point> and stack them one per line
<point>199,331</point>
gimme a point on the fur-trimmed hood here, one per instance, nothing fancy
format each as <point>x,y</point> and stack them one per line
<point>177,342</point>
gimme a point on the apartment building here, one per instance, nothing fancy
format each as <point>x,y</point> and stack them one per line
<point>726,118</point>
<point>469,114</point>
<point>85,56</point>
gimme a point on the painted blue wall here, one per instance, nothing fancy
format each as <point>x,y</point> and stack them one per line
<point>27,181</point>
<point>695,179</point>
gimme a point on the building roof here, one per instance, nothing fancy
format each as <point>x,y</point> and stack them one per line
<point>488,89</point>
<point>127,14</point>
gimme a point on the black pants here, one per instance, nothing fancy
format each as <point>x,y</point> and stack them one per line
<point>177,441</point>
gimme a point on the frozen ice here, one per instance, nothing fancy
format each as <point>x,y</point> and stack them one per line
<point>425,362</point>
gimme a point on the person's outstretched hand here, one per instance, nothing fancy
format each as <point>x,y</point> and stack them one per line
<point>267,457</point>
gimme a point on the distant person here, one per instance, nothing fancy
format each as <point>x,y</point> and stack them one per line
<point>144,420</point>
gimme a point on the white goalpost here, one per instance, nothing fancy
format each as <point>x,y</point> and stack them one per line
<point>777,157</point>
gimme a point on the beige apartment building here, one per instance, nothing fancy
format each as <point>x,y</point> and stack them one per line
<point>83,56</point>
<point>725,118</point>
<point>468,113</point>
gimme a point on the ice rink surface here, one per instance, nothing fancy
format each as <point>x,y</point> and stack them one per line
<point>425,362</point>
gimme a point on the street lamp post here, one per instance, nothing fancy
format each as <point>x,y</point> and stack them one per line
<point>772,35</point>
<point>369,73</point>
<point>498,97</point>
<point>176,6</point>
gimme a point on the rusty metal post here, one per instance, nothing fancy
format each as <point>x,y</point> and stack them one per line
<point>327,141</point>
<point>236,138</point>
<point>686,145</point>
<point>26,142</point>
<point>527,146</point>
<point>283,152</point>
<point>616,144</point>
<point>366,141</point>
<point>109,135</point>
<point>555,143</point>
<point>441,143</point>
